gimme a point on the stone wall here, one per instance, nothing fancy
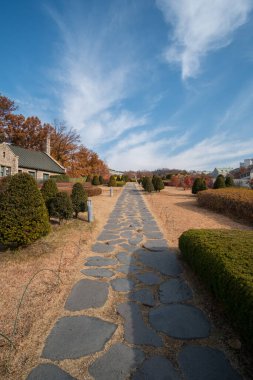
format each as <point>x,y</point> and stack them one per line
<point>8,159</point>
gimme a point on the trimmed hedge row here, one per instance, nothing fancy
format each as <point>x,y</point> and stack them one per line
<point>235,202</point>
<point>93,191</point>
<point>223,259</point>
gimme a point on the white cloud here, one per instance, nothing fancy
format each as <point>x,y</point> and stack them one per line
<point>200,26</point>
<point>215,151</point>
<point>95,78</point>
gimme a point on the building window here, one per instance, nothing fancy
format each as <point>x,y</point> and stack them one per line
<point>20,171</point>
<point>4,171</point>
<point>3,154</point>
<point>32,174</point>
<point>45,176</point>
<point>7,171</point>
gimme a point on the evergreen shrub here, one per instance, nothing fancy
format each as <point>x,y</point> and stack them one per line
<point>223,259</point>
<point>61,207</point>
<point>112,182</point>
<point>199,184</point>
<point>49,190</point>
<point>229,181</point>
<point>101,180</point>
<point>219,183</point>
<point>79,198</point>
<point>95,181</point>
<point>23,214</point>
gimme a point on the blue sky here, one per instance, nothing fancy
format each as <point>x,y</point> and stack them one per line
<point>148,84</point>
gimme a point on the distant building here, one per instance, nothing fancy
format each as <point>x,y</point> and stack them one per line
<point>218,171</point>
<point>115,172</point>
<point>40,165</point>
<point>247,162</point>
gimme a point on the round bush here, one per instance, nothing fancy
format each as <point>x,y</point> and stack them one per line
<point>79,198</point>
<point>60,206</point>
<point>23,213</point>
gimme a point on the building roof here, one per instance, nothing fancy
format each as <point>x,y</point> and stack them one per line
<point>31,159</point>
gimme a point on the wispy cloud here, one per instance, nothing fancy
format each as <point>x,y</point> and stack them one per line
<point>200,26</point>
<point>96,75</point>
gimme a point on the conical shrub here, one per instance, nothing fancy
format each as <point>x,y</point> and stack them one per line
<point>23,213</point>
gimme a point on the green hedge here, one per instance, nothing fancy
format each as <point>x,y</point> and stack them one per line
<point>223,259</point>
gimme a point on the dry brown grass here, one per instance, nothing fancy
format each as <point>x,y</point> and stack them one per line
<point>177,211</point>
<point>62,252</point>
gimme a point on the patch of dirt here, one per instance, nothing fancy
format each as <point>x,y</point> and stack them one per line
<point>176,210</point>
<point>56,259</point>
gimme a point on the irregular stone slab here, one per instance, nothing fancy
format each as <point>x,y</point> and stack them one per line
<point>165,263</point>
<point>127,247</point>
<point>154,235</point>
<point>111,227</point>
<point>74,337</point>
<point>125,258</point>
<point>102,248</point>
<point>122,284</point>
<point>156,368</point>
<point>48,372</point>
<point>156,245</point>
<point>126,234</point>
<point>144,296</point>
<point>116,242</point>
<point>128,269</point>
<point>148,278</point>
<point>98,272</point>
<point>107,236</point>
<point>174,290</point>
<point>136,331</point>
<point>117,363</point>
<point>198,362</point>
<point>136,240</point>
<point>98,261</point>
<point>86,294</point>
<point>180,321</point>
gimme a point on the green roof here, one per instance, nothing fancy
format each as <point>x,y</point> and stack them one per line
<point>32,159</point>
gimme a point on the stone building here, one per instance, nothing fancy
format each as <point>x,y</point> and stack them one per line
<point>14,159</point>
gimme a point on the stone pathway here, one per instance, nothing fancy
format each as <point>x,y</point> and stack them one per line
<point>131,261</point>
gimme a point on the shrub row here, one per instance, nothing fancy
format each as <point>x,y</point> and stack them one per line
<point>235,202</point>
<point>223,259</point>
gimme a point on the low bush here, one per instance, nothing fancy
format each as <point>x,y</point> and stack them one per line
<point>233,202</point>
<point>93,191</point>
<point>223,259</point>
<point>60,206</point>
<point>120,183</point>
<point>61,178</point>
<point>23,213</point>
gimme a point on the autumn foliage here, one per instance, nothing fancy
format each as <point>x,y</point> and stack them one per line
<point>31,133</point>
